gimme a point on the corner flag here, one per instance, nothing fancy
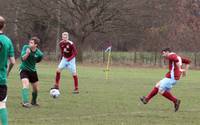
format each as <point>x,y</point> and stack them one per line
<point>108,49</point>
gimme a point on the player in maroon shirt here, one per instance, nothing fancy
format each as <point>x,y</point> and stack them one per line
<point>68,61</point>
<point>165,85</point>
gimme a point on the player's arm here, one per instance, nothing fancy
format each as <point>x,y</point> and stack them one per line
<point>11,59</point>
<point>25,53</point>
<point>11,64</point>
<point>186,69</point>
<point>39,56</point>
<point>74,50</point>
<point>187,65</point>
<point>180,67</point>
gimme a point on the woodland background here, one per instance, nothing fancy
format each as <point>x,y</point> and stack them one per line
<point>137,28</point>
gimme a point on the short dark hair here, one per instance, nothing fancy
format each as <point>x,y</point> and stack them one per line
<point>166,50</point>
<point>36,40</point>
<point>2,22</point>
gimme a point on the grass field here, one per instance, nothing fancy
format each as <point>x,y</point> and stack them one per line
<point>101,102</point>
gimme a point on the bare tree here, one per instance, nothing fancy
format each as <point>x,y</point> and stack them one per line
<point>80,18</point>
<point>131,25</point>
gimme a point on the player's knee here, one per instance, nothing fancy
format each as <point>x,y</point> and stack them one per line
<point>35,87</point>
<point>35,90</point>
<point>58,70</point>
<point>2,105</point>
<point>161,90</point>
<point>157,85</point>
<point>74,74</point>
<point>25,84</point>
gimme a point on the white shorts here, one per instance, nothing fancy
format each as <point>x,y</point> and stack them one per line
<point>70,65</point>
<point>167,84</point>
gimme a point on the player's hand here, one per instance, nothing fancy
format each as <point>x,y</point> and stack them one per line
<point>183,72</point>
<point>28,51</point>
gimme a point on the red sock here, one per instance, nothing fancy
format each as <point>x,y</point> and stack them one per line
<point>169,96</point>
<point>57,80</point>
<point>153,92</point>
<point>75,82</point>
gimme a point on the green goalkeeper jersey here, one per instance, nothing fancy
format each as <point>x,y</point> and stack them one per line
<point>33,58</point>
<point>6,51</point>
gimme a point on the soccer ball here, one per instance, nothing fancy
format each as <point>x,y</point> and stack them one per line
<point>54,93</point>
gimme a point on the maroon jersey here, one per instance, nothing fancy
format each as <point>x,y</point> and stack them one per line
<point>174,71</point>
<point>68,49</point>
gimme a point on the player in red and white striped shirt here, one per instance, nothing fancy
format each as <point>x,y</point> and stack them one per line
<point>68,61</point>
<point>165,85</point>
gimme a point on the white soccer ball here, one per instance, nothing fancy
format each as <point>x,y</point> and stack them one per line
<point>54,93</point>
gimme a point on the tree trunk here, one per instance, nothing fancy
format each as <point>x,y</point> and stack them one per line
<point>58,30</point>
<point>135,57</point>
<point>155,58</point>
<point>16,29</point>
<point>80,48</point>
<point>79,56</point>
<point>195,59</point>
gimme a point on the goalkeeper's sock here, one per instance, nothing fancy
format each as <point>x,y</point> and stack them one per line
<point>4,116</point>
<point>153,92</point>
<point>34,97</point>
<point>169,96</point>
<point>25,95</point>
<point>75,82</point>
<point>57,80</point>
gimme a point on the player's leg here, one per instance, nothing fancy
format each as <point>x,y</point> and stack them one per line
<point>25,92</point>
<point>72,68</point>
<point>167,94</point>
<point>75,77</point>
<point>61,66</point>
<point>25,88</point>
<point>3,113</point>
<point>57,78</point>
<point>3,109</point>
<point>164,90</point>
<point>153,92</point>
<point>165,87</point>
<point>35,86</point>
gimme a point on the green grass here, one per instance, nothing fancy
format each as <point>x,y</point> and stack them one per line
<point>101,102</point>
